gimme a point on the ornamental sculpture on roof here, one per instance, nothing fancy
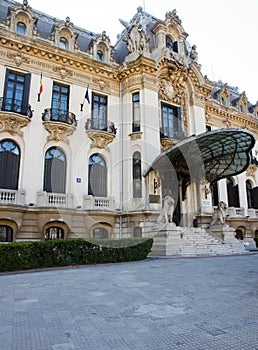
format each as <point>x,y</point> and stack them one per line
<point>137,40</point>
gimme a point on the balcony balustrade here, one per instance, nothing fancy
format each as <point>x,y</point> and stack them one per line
<point>98,203</point>
<point>15,106</point>
<point>12,197</point>
<point>58,200</point>
<point>59,123</point>
<point>101,134</point>
<point>59,115</point>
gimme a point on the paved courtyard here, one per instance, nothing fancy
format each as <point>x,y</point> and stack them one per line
<point>155,304</point>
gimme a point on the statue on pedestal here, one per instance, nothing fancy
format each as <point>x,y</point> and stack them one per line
<point>219,214</point>
<point>166,213</point>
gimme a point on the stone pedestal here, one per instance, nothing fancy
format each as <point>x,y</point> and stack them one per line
<point>167,240</point>
<point>225,234</point>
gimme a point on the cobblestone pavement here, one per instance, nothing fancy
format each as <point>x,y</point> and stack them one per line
<point>155,304</point>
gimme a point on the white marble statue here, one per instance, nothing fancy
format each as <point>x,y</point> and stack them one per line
<point>166,213</point>
<point>219,214</point>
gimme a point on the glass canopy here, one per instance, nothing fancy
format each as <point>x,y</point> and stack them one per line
<point>214,155</point>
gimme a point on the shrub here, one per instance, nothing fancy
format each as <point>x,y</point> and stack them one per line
<point>34,255</point>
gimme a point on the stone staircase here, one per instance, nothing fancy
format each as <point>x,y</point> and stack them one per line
<point>198,242</point>
<point>190,242</point>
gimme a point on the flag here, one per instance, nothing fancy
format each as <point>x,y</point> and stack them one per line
<point>40,87</point>
<point>87,97</point>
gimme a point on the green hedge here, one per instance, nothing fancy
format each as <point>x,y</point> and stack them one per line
<point>34,255</point>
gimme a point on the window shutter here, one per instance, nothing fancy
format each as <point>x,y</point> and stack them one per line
<point>5,87</point>
<point>26,94</point>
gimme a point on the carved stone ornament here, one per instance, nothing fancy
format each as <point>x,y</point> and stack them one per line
<point>250,171</point>
<point>137,40</point>
<point>58,131</point>
<point>18,58</point>
<point>63,71</point>
<point>100,139</point>
<point>167,143</point>
<point>13,124</point>
<point>166,90</point>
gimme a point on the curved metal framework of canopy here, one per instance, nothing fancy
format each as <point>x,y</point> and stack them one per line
<point>213,155</point>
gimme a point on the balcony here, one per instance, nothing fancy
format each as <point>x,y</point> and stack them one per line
<point>56,200</point>
<point>12,197</point>
<point>168,139</point>
<point>59,123</point>
<point>14,115</point>
<point>102,135</point>
<point>98,203</point>
<point>252,213</point>
<point>236,212</point>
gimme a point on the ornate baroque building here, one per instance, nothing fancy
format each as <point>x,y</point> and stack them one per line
<point>81,122</point>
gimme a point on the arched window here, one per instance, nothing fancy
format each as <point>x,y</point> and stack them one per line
<point>99,55</point>
<point>21,28</point>
<point>233,195</point>
<point>137,175</point>
<point>97,180</point>
<point>239,235</point>
<point>63,44</point>
<point>6,233</point>
<point>9,165</point>
<point>137,232</point>
<point>249,194</point>
<point>54,171</point>
<point>54,232</point>
<point>171,45</point>
<point>100,233</point>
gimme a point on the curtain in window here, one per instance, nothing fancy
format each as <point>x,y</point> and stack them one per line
<point>54,171</point>
<point>97,181</point>
<point>9,165</point>
<point>137,175</point>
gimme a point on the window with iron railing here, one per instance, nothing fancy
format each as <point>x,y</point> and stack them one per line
<point>60,102</point>
<point>99,112</point>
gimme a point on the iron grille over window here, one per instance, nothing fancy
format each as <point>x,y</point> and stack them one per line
<point>54,232</point>
<point>100,233</point>
<point>6,233</point>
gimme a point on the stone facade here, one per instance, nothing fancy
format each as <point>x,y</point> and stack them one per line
<point>75,151</point>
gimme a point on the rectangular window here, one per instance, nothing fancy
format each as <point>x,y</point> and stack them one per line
<point>99,112</point>
<point>16,92</point>
<point>60,103</point>
<point>171,122</point>
<point>136,112</point>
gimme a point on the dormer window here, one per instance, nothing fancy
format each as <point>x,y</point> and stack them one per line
<point>63,44</point>
<point>173,46</point>
<point>223,100</point>
<point>21,28</point>
<point>169,43</point>
<point>99,56</point>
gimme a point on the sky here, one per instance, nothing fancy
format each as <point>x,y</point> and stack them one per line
<point>224,31</point>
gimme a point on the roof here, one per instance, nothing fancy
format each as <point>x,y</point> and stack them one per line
<point>214,155</point>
